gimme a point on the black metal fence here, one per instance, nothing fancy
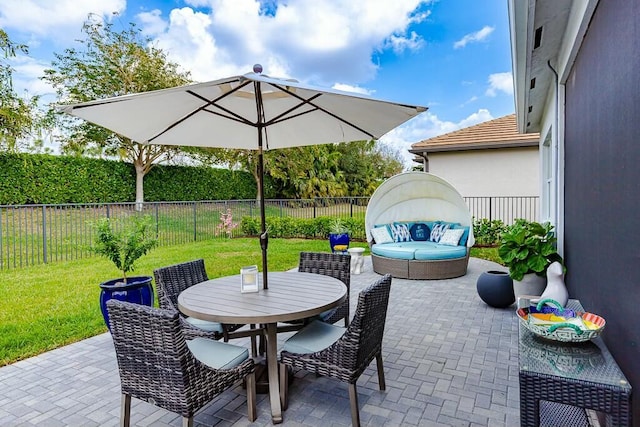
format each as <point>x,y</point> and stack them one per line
<point>36,234</point>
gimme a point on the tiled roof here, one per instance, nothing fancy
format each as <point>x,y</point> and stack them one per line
<point>496,133</point>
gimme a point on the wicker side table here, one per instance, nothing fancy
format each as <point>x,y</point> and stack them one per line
<point>583,375</point>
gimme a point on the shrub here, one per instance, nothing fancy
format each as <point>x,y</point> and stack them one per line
<point>310,228</point>
<point>488,233</point>
<point>528,247</point>
<point>250,226</point>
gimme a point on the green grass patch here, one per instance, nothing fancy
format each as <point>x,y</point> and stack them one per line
<point>47,306</point>
<point>488,253</point>
<point>43,307</point>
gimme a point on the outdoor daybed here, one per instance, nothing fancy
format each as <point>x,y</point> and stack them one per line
<point>419,227</point>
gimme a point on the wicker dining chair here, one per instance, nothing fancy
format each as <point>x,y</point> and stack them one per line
<point>341,353</point>
<point>157,365</point>
<point>172,280</point>
<point>334,265</point>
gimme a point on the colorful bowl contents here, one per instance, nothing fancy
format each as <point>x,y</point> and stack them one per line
<point>560,324</point>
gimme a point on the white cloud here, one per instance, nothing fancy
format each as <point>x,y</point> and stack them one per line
<point>469,101</point>
<point>400,44</point>
<point>290,39</point>
<point>478,36</point>
<point>26,77</point>
<point>333,41</point>
<point>502,82</point>
<point>428,125</point>
<point>47,22</point>
<point>62,17</point>
<point>152,22</point>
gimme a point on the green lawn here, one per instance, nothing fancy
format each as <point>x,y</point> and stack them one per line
<point>47,306</point>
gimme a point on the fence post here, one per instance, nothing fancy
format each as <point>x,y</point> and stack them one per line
<point>157,219</point>
<point>195,218</point>
<point>351,207</point>
<point>490,208</point>
<point>44,233</point>
<point>314,207</point>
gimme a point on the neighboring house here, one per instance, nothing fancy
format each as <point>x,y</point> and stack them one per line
<point>489,159</point>
<point>576,68</point>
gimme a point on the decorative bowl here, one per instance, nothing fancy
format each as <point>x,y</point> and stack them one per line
<point>559,324</point>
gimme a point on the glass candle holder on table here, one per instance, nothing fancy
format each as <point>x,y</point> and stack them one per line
<point>249,279</point>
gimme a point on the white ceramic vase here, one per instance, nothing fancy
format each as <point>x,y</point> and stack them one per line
<point>531,284</point>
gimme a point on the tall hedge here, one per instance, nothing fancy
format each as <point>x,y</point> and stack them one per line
<point>42,178</point>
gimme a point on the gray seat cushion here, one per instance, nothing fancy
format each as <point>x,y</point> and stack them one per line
<point>205,325</point>
<point>314,337</point>
<point>217,355</point>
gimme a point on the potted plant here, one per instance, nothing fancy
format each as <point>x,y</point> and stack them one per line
<point>527,249</point>
<point>338,236</point>
<point>124,244</point>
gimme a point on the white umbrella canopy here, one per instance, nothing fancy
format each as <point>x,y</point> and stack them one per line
<point>249,112</point>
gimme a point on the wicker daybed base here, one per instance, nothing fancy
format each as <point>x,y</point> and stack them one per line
<point>421,269</point>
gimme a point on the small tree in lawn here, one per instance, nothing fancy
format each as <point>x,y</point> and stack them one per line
<point>125,244</point>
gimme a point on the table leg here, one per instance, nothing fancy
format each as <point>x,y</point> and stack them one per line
<point>272,367</point>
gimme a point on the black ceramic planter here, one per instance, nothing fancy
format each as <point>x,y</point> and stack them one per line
<point>496,288</point>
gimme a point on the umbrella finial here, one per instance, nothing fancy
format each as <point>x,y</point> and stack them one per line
<point>257,68</point>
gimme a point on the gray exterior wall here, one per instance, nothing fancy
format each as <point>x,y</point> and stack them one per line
<point>602,180</point>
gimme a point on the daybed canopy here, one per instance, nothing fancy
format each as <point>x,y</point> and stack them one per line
<point>417,196</point>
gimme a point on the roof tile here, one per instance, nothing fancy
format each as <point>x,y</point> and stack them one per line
<point>500,132</point>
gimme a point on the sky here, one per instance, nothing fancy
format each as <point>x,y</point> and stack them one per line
<point>452,56</point>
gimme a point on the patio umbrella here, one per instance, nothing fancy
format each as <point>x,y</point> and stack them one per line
<point>248,112</point>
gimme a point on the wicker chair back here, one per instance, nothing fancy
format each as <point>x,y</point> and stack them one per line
<point>172,280</point>
<point>367,327</point>
<point>333,265</point>
<point>347,358</point>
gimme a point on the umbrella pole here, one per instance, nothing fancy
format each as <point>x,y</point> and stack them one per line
<point>264,237</point>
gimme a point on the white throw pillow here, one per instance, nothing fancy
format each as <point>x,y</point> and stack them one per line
<point>451,237</point>
<point>381,235</point>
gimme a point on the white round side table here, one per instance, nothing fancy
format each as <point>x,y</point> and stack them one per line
<point>357,260</point>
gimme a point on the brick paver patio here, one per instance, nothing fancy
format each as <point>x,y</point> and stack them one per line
<point>450,360</point>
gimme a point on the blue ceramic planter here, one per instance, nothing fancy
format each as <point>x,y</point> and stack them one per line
<point>339,239</point>
<point>137,290</point>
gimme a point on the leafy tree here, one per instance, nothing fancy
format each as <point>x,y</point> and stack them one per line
<point>16,114</point>
<point>307,172</point>
<point>111,63</point>
<point>387,160</point>
<point>365,164</point>
<point>329,170</point>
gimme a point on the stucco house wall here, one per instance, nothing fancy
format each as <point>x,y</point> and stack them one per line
<point>491,172</point>
<point>489,159</point>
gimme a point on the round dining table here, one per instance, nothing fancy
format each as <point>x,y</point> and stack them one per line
<point>290,296</point>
